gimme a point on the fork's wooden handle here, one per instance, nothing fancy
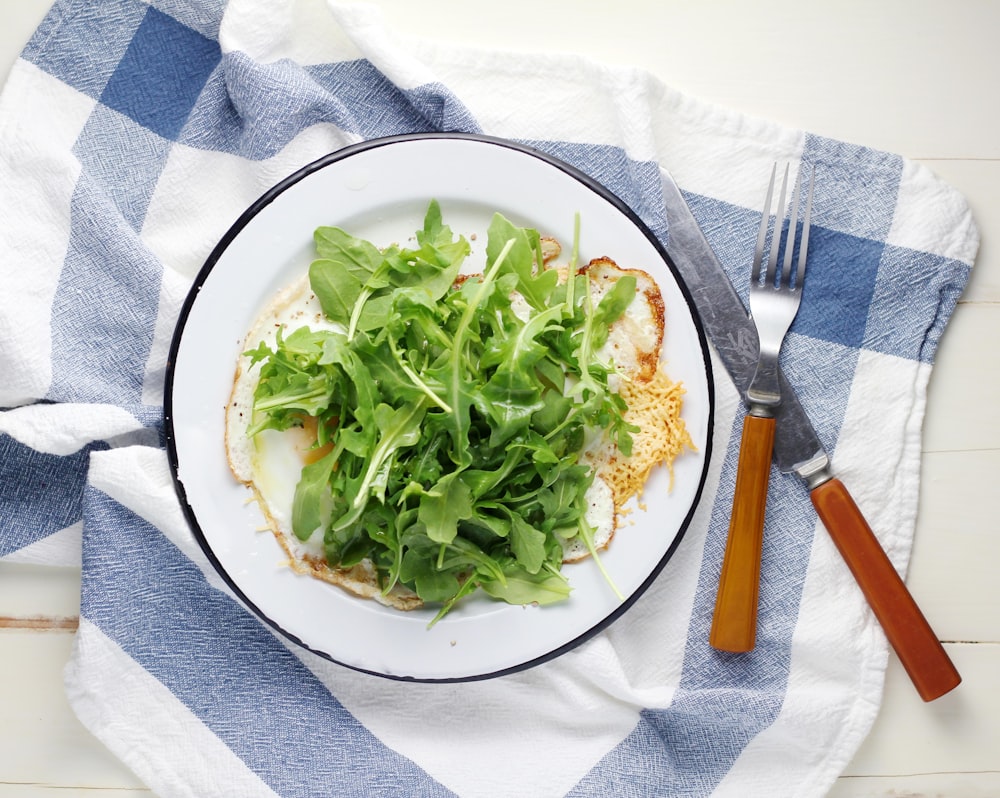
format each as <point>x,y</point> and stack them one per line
<point>734,623</point>
<point>915,643</point>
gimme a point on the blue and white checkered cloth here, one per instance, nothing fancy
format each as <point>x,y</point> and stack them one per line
<point>132,134</point>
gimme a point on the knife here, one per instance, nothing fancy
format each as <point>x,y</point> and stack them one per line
<point>797,449</point>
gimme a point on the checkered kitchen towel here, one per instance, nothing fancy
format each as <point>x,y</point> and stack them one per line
<point>132,135</point>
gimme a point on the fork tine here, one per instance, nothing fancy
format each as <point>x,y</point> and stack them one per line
<point>765,218</point>
<point>785,278</point>
<point>804,246</point>
<point>772,259</point>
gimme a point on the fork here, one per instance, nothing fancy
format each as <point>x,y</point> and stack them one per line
<point>774,303</point>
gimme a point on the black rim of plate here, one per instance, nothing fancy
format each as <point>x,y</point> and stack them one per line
<point>266,199</point>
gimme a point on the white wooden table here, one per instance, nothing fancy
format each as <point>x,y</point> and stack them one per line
<point>917,77</point>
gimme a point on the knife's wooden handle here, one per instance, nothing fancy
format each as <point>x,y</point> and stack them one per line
<point>915,643</point>
<point>734,623</point>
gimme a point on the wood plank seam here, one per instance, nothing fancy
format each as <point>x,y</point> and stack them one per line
<point>41,624</point>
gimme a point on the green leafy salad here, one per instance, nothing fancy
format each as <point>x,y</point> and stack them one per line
<point>451,410</point>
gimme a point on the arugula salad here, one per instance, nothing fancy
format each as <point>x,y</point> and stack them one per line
<point>451,410</point>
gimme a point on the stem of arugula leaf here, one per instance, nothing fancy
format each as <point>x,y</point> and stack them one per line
<point>466,320</point>
<point>363,297</point>
<point>586,344</point>
<point>415,378</point>
<point>284,401</point>
<point>488,278</point>
<point>571,272</point>
<point>555,571</point>
<point>395,568</point>
<point>464,589</point>
<point>588,538</point>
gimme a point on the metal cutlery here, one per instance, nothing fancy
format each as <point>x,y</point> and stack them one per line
<point>798,449</point>
<point>774,303</point>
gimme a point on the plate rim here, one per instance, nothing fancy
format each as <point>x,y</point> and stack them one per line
<point>252,211</point>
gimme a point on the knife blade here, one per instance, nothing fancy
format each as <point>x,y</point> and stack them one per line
<point>797,449</point>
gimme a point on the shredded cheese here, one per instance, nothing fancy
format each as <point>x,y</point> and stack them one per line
<point>655,407</point>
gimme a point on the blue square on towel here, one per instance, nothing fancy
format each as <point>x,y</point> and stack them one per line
<point>840,279</point>
<point>839,285</point>
<point>161,74</point>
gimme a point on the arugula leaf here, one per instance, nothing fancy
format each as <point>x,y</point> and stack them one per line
<point>343,268</point>
<point>431,584</point>
<point>533,282</point>
<point>611,307</point>
<point>521,587</point>
<point>310,496</point>
<point>443,506</point>
<point>527,543</point>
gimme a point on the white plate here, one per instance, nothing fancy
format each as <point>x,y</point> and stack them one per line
<point>379,191</point>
